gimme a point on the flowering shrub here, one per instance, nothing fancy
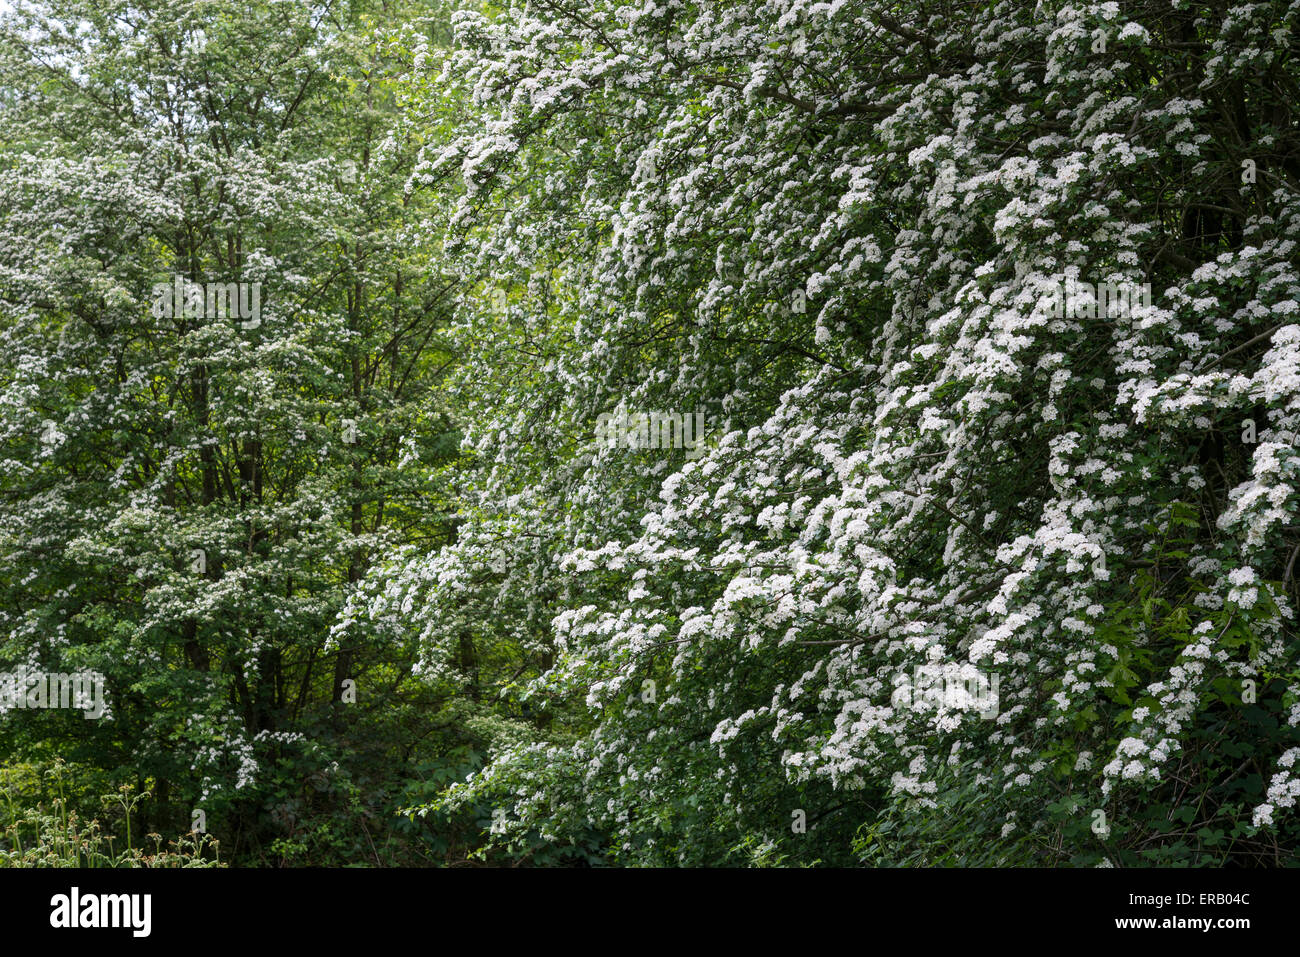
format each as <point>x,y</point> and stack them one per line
<point>926,466</point>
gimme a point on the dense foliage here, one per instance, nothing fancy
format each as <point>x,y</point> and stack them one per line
<point>991,313</point>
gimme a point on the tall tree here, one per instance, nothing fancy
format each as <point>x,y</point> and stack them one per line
<point>885,249</point>
<point>187,490</point>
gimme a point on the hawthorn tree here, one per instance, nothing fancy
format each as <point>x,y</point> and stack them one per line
<point>186,497</point>
<point>844,233</point>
